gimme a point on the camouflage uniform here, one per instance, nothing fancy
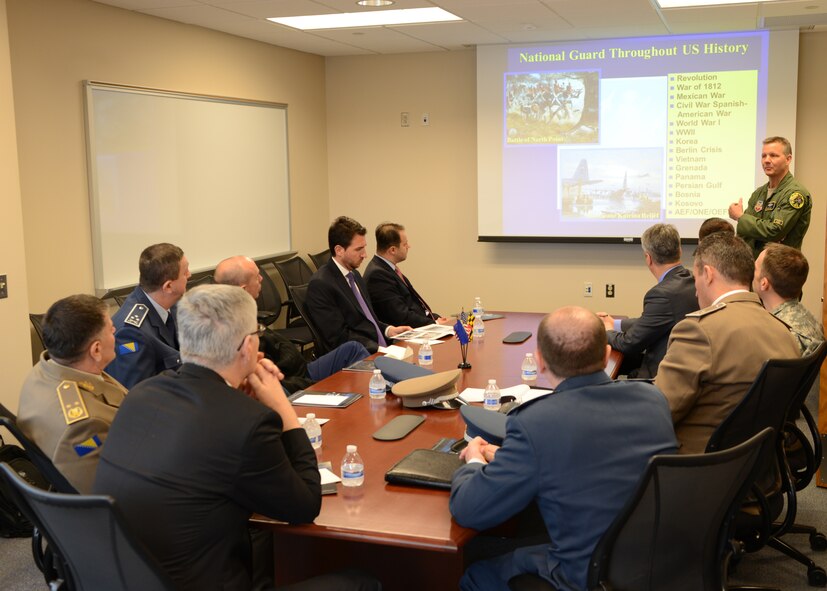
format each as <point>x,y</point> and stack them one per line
<point>783,217</point>
<point>806,329</point>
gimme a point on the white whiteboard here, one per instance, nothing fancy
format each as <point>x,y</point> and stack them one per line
<point>208,174</point>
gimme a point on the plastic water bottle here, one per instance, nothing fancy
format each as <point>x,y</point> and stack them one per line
<point>313,430</point>
<point>353,468</point>
<point>426,354</point>
<point>529,368</point>
<point>491,398</point>
<point>478,310</point>
<point>479,328</point>
<point>377,385</point>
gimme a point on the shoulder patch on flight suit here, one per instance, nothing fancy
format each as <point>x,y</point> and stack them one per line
<point>127,348</point>
<point>706,311</point>
<point>137,315</point>
<point>71,402</point>
<point>797,200</point>
<point>770,205</point>
<point>778,222</point>
<point>759,206</point>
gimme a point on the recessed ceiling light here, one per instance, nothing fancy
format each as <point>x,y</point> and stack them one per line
<point>696,3</point>
<point>375,3</point>
<point>345,20</point>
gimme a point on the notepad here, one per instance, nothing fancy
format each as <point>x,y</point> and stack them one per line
<point>328,399</point>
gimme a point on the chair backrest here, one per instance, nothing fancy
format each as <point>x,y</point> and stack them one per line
<point>320,258</point>
<point>269,299</point>
<point>202,280</point>
<point>40,460</point>
<point>299,295</point>
<point>91,537</point>
<point>779,390</point>
<point>36,334</point>
<point>294,271</point>
<point>672,533</point>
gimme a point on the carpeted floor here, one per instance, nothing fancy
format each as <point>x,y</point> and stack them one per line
<point>767,567</point>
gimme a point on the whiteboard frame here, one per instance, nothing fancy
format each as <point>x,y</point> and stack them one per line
<point>89,87</point>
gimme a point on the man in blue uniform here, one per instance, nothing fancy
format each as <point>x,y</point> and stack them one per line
<point>146,341</point>
<point>580,470</point>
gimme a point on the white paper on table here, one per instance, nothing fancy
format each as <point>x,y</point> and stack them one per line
<point>396,351</point>
<point>423,341</point>
<point>319,420</point>
<point>478,394</point>
<point>321,399</point>
<point>328,476</point>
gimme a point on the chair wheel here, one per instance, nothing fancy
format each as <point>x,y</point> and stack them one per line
<point>818,541</point>
<point>816,576</point>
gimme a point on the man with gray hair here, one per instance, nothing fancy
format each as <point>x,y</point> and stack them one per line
<point>715,354</point>
<point>643,340</point>
<point>194,452</point>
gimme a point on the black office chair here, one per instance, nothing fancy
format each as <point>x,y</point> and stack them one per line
<point>36,335</point>
<point>320,258</point>
<point>673,532</point>
<point>98,550</point>
<point>55,479</point>
<point>293,271</point>
<point>299,295</point>
<point>50,478</point>
<point>778,392</point>
<point>202,280</point>
<point>269,309</point>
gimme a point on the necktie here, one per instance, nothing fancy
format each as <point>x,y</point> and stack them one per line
<point>170,324</point>
<point>422,302</point>
<point>365,310</point>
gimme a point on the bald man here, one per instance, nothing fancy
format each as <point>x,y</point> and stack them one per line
<point>298,373</point>
<point>579,471</point>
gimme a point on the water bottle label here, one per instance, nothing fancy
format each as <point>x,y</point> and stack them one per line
<point>358,474</point>
<point>317,439</point>
<point>529,374</point>
<point>377,391</point>
<point>426,358</point>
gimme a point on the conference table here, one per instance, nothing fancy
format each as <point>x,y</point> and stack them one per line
<point>403,535</point>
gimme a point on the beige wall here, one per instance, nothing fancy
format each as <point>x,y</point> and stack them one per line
<point>425,178</point>
<point>348,155</point>
<point>808,154</point>
<point>15,354</point>
<point>56,44</point>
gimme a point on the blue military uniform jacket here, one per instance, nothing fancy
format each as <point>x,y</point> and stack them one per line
<point>144,345</point>
<point>579,453</point>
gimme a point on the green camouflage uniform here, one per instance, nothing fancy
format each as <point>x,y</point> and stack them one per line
<point>784,217</point>
<point>805,328</point>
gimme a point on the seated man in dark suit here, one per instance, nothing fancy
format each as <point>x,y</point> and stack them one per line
<point>191,456</point>
<point>298,373</point>
<point>337,298</point>
<point>394,298</point>
<point>146,342</point>
<point>579,469</point>
<point>68,402</point>
<point>643,340</point>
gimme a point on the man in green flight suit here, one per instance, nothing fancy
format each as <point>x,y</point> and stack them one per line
<point>778,211</point>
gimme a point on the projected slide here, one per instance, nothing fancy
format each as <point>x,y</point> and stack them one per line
<point>603,138</point>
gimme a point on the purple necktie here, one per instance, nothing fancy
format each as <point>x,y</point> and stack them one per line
<point>365,310</point>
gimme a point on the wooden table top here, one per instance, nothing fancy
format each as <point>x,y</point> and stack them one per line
<point>381,513</point>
